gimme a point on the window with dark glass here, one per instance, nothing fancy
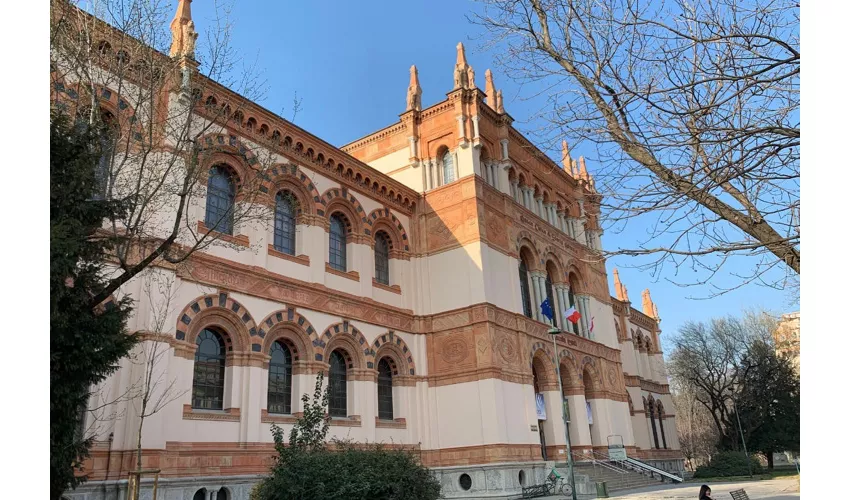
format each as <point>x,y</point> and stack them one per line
<point>284,224</point>
<point>448,168</point>
<point>337,243</point>
<point>338,391</point>
<point>208,380</point>
<point>382,258</point>
<point>652,420</point>
<point>661,424</point>
<point>523,288</point>
<point>280,379</point>
<point>551,297</point>
<point>385,390</point>
<point>221,196</point>
<point>572,298</point>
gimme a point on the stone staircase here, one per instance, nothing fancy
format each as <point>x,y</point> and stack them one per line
<point>616,481</point>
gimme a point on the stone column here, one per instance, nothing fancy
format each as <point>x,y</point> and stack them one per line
<point>514,189</point>
<point>538,207</point>
<point>504,144</point>
<point>496,175</point>
<point>429,183</point>
<point>584,310</point>
<point>541,296</point>
<point>475,127</point>
<point>562,306</point>
<point>460,131</point>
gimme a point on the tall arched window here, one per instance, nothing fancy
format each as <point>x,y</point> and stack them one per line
<point>651,411</point>
<point>280,379</point>
<point>208,381</point>
<point>220,199</point>
<point>382,258</point>
<point>385,390</point>
<point>284,223</point>
<point>551,296</point>
<point>337,384</point>
<point>448,167</point>
<point>337,243</point>
<point>660,413</point>
<point>523,288</point>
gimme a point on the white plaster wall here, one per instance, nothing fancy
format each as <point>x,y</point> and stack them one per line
<point>501,280</point>
<point>454,278</point>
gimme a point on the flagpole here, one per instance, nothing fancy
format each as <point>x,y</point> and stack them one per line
<point>555,331</point>
<point>566,422</point>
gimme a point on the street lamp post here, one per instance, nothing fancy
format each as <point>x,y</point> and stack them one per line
<point>743,441</point>
<point>555,331</point>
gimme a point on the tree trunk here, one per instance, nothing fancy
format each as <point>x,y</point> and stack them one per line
<point>769,455</point>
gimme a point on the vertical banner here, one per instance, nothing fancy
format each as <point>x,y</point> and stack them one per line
<point>541,406</point>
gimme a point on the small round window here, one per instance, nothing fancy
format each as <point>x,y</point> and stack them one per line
<point>465,481</point>
<point>522,478</point>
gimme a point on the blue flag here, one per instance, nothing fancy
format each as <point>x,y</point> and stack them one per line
<point>546,309</point>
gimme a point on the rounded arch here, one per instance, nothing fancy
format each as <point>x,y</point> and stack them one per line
<point>348,338</point>
<point>554,268</point>
<point>290,177</point>
<point>237,326</point>
<point>659,408</point>
<point>590,377</point>
<point>75,98</point>
<point>522,180</point>
<point>542,361</point>
<point>569,369</point>
<point>383,218</point>
<point>290,326</point>
<point>228,149</point>
<point>575,280</point>
<point>390,344</point>
<point>340,200</point>
<point>527,251</point>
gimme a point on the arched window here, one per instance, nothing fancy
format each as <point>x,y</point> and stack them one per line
<point>382,258</point>
<point>660,413</point>
<point>208,381</point>
<point>220,199</point>
<point>551,297</point>
<point>338,401</point>
<point>284,223</point>
<point>523,288</point>
<point>448,167</point>
<point>385,390</point>
<point>337,243</point>
<point>280,379</point>
<point>201,494</point>
<point>222,494</point>
<point>651,411</point>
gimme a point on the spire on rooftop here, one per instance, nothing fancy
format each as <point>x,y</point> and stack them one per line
<point>414,91</point>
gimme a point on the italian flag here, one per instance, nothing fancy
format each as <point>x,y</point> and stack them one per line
<point>572,315</point>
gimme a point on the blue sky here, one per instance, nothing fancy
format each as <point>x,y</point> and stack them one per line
<point>349,63</point>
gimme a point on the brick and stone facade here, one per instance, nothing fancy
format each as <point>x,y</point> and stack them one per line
<point>470,208</point>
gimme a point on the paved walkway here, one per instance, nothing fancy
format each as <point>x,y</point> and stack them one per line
<point>773,489</point>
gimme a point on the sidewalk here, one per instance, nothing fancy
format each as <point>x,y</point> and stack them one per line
<point>773,489</point>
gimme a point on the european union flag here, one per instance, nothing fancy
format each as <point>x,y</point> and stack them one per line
<point>546,309</point>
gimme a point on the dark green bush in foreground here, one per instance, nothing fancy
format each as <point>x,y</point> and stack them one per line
<point>306,469</point>
<point>728,463</point>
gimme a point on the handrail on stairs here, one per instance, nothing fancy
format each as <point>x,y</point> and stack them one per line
<point>654,470</point>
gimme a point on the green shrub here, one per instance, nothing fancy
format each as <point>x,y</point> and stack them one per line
<point>729,463</point>
<point>306,469</point>
<point>351,472</point>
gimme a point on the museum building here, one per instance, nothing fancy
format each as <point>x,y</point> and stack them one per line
<point>409,266</point>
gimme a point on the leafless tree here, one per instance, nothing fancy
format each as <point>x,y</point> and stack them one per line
<point>692,108</point>
<point>115,66</point>
<point>708,365</point>
<point>152,391</point>
<point>698,436</point>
